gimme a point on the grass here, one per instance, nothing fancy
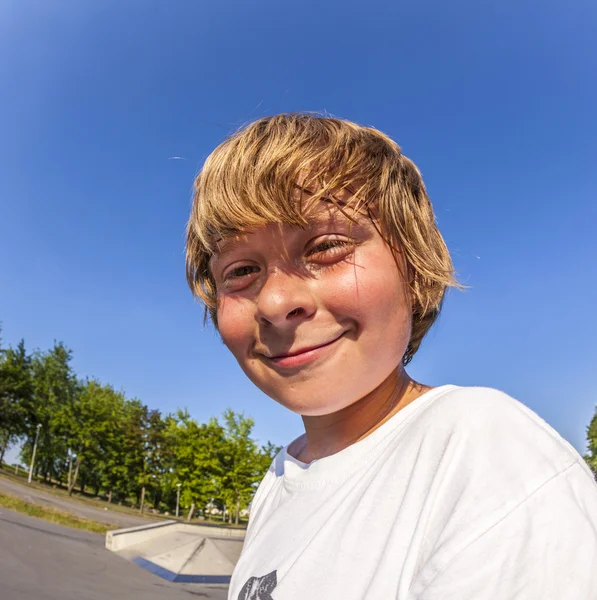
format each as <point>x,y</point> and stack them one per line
<point>51,514</point>
<point>88,499</point>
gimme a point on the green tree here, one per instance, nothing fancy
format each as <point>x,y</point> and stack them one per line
<point>55,387</point>
<point>197,452</point>
<point>11,413</point>
<point>109,472</point>
<point>591,457</point>
<point>242,466</point>
<point>89,425</point>
<point>131,470</point>
<point>16,392</point>
<point>268,453</point>
<point>154,460</point>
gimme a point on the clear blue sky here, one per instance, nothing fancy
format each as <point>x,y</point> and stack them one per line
<point>496,104</point>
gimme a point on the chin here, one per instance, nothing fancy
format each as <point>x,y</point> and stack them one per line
<point>313,403</point>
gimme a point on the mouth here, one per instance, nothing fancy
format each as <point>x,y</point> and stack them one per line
<point>301,356</point>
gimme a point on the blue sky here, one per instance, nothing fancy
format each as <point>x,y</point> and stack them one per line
<point>496,104</point>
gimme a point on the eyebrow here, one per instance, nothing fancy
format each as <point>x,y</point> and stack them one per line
<point>227,244</point>
<point>335,201</point>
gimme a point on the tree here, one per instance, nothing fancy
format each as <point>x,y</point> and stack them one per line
<point>197,451</point>
<point>154,456</point>
<point>242,462</point>
<point>133,449</point>
<point>268,453</point>
<point>110,471</point>
<point>591,457</point>
<point>16,392</point>
<point>55,387</point>
<point>89,425</point>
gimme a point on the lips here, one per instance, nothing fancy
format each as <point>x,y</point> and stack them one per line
<point>302,350</point>
<point>300,356</point>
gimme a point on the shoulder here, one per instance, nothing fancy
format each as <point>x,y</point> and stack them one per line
<point>482,404</point>
<point>492,436</point>
<point>545,544</point>
<point>487,416</point>
<point>486,459</point>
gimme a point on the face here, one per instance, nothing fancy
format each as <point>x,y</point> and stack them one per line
<point>317,317</point>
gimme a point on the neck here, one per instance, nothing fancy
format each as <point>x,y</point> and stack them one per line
<point>329,434</point>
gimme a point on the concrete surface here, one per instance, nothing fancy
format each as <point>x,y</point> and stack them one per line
<point>131,536</point>
<point>43,561</point>
<point>36,496</point>
<point>179,551</point>
<point>119,539</point>
<point>180,556</point>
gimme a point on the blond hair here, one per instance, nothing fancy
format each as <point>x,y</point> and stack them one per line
<point>250,180</point>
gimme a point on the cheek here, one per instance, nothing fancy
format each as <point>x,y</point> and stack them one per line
<point>376,294</point>
<point>235,324</point>
<point>377,301</point>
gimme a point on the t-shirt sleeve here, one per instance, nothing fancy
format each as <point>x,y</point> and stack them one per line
<point>543,549</point>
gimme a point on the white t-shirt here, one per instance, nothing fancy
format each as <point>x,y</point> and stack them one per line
<point>464,494</point>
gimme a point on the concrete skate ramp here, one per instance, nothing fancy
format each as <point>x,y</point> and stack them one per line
<point>179,551</point>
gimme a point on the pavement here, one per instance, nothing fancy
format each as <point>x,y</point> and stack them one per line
<point>36,496</point>
<point>181,552</point>
<point>44,561</point>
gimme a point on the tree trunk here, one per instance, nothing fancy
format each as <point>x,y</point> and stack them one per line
<point>224,514</point>
<point>191,511</point>
<point>70,470</point>
<point>3,450</point>
<point>110,496</point>
<point>237,511</point>
<point>142,499</point>
<point>71,485</point>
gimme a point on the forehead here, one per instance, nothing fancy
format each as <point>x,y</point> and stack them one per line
<point>319,214</point>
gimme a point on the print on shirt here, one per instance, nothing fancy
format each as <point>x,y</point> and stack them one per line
<point>259,588</point>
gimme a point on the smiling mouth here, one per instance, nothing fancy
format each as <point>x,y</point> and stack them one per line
<point>301,356</point>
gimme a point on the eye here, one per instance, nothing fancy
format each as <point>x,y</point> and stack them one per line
<point>328,247</point>
<point>239,272</point>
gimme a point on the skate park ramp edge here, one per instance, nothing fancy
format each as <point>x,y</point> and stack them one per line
<point>180,552</point>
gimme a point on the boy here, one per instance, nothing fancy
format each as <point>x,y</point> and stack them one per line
<point>313,244</point>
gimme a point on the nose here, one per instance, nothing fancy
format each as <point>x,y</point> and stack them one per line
<point>285,299</point>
